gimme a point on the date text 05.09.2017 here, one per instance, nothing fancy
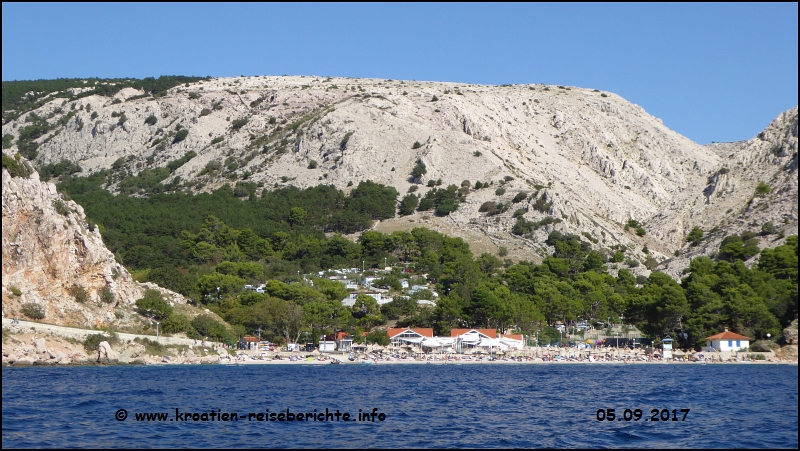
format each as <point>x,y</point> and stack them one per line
<point>636,415</point>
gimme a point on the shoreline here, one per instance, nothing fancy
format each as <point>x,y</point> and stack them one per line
<point>140,362</point>
<point>479,362</point>
<point>48,349</point>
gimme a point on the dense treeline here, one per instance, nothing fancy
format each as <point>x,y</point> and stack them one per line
<point>571,285</point>
<point>209,246</point>
<point>147,232</point>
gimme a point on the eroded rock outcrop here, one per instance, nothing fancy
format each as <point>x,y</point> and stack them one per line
<point>106,354</point>
<point>55,259</point>
<point>790,333</point>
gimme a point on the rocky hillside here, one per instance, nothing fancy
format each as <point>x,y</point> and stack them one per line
<point>731,203</point>
<point>589,160</point>
<point>56,262</point>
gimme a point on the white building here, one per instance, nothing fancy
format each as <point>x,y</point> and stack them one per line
<point>351,284</point>
<point>416,288</point>
<point>727,341</point>
<point>345,344</point>
<point>350,300</point>
<point>407,336</point>
<point>327,346</point>
<point>385,300</point>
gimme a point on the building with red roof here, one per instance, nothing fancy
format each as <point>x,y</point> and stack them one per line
<point>727,341</point>
<point>403,336</point>
<point>487,333</point>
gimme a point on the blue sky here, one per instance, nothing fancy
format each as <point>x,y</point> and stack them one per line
<point>712,72</point>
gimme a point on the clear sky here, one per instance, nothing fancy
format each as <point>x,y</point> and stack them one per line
<point>712,72</point>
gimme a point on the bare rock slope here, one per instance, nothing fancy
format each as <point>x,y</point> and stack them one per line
<point>589,159</point>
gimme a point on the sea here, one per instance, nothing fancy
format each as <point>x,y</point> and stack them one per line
<point>402,406</point>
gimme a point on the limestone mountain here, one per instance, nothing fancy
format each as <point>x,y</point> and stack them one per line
<point>571,159</point>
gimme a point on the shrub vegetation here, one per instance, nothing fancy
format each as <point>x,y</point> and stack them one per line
<point>33,311</point>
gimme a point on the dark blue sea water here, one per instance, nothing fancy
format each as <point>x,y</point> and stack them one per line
<point>430,406</point>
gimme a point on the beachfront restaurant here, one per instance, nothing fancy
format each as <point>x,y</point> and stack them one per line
<point>487,340</point>
<point>512,341</point>
<point>407,336</point>
<point>474,340</point>
<point>460,340</point>
<point>438,344</point>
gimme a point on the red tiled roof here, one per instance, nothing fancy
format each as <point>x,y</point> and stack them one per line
<point>512,336</point>
<point>491,333</point>
<point>424,331</point>
<point>250,339</point>
<point>727,336</point>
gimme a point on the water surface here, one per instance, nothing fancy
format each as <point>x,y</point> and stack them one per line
<point>448,406</point>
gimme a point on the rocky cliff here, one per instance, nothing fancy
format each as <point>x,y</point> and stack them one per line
<point>54,259</point>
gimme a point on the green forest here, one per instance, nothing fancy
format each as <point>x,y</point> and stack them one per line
<point>209,246</point>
